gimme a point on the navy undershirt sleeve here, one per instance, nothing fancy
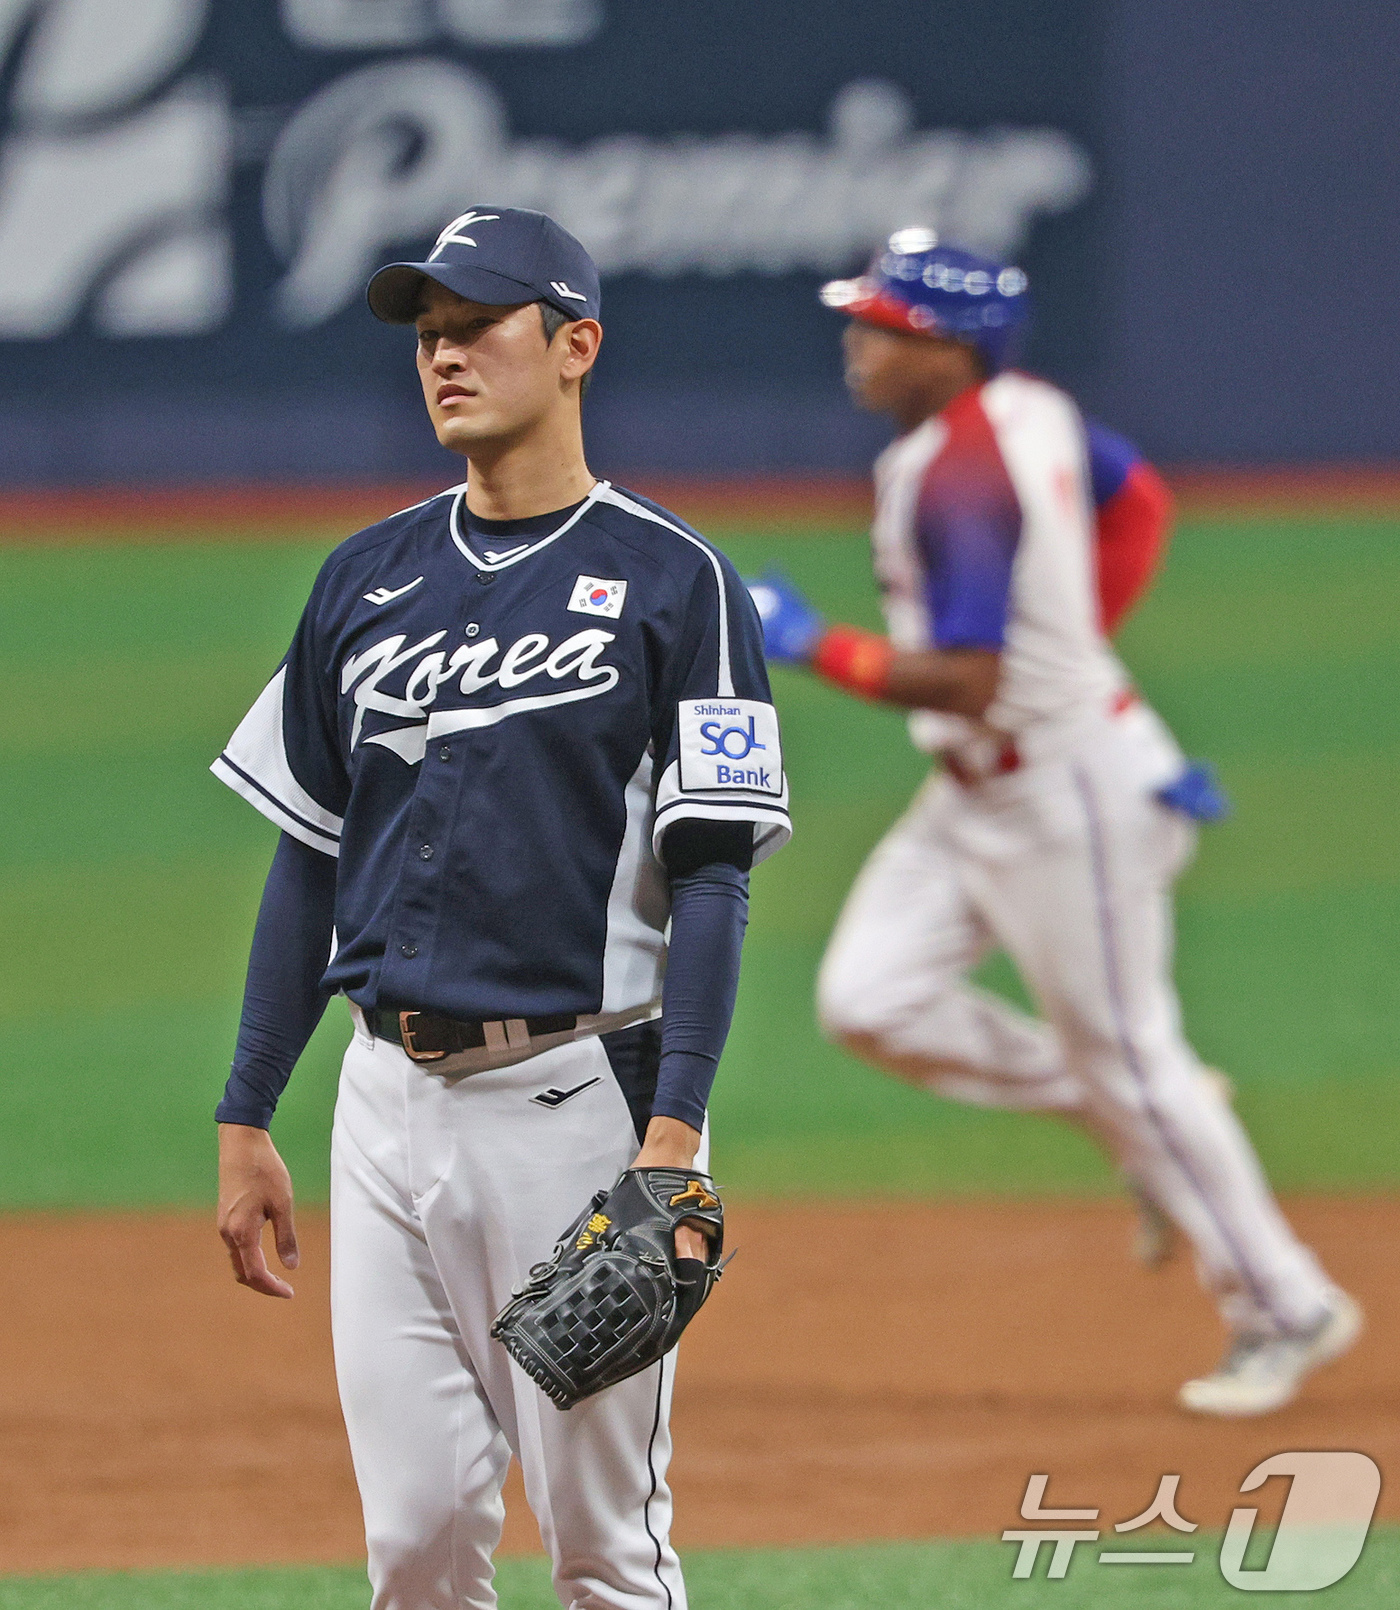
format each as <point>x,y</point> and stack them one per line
<point>283,1001</point>
<point>708,864</point>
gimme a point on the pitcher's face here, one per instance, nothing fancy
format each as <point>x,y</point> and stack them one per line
<point>488,373</point>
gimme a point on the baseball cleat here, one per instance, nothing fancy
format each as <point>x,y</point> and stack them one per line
<point>1262,1373</point>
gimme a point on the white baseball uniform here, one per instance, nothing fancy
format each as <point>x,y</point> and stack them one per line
<point>444,1192</point>
<point>1043,835</point>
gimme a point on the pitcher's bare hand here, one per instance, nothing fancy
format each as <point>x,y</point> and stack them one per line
<point>671,1143</point>
<point>255,1189</point>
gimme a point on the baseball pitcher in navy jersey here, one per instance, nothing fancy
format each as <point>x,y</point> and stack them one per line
<point>1010,538</point>
<point>522,754</point>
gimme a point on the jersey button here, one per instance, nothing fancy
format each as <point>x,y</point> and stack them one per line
<point>445,753</point>
<point>408,950</point>
<point>485,577</point>
<point>425,852</point>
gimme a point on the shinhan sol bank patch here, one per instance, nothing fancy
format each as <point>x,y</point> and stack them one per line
<point>730,745</point>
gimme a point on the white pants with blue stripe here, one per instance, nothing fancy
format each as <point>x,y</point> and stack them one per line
<point>1068,865</point>
<point>443,1193</point>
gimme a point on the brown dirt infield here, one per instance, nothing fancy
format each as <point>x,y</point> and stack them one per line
<point>863,1372</point>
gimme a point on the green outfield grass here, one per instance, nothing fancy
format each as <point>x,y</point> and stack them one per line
<point>967,1575</point>
<point>129,877</point>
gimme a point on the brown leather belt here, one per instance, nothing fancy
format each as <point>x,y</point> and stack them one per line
<point>426,1037</point>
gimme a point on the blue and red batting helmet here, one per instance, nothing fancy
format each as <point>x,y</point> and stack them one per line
<point>920,287</point>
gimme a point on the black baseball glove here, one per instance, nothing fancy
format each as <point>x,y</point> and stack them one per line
<point>615,1297</point>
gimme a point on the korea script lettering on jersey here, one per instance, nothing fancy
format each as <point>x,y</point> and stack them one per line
<point>469,669</point>
<point>495,773</point>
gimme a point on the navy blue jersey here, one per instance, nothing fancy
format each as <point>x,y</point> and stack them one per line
<point>494,739</point>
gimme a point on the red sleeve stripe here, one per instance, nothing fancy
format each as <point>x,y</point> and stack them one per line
<point>1134,526</point>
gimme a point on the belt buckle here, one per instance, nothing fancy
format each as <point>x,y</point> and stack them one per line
<point>407,1034</point>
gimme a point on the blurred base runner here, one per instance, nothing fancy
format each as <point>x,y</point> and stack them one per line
<point>1010,536</point>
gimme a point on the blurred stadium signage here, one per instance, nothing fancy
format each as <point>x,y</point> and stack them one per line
<point>340,189</point>
<point>380,24</point>
<point>115,180</point>
<point>201,187</point>
<point>101,191</point>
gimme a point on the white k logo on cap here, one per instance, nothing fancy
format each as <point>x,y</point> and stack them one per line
<point>453,233</point>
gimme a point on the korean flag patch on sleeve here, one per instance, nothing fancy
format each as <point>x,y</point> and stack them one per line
<point>730,745</point>
<point>594,596</point>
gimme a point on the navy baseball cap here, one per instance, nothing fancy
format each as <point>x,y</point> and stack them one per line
<point>920,287</point>
<point>496,255</point>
